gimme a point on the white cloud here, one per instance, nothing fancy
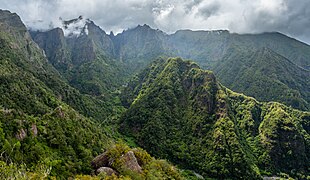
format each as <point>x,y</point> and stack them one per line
<point>241,16</point>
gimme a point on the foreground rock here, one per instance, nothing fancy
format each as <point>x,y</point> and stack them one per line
<point>100,161</point>
<point>130,162</point>
<point>108,171</point>
<point>120,161</point>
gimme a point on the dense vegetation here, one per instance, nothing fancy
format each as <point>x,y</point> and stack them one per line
<point>38,128</point>
<point>181,113</point>
<point>265,75</point>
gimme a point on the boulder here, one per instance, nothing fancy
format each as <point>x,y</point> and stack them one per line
<point>107,170</point>
<point>34,130</point>
<point>130,162</point>
<point>21,134</point>
<point>101,160</point>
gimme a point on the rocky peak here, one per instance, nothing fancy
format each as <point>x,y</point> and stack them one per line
<point>75,27</point>
<point>12,19</point>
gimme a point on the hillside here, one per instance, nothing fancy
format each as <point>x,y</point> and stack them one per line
<point>180,112</point>
<point>37,126</point>
<point>265,75</point>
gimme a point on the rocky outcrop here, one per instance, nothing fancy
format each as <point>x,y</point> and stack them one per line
<point>21,134</point>
<point>100,161</point>
<point>124,161</point>
<point>34,129</point>
<point>107,170</point>
<point>130,162</point>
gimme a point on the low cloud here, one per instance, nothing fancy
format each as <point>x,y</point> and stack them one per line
<point>242,16</point>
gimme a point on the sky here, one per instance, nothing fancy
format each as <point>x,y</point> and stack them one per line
<point>291,17</point>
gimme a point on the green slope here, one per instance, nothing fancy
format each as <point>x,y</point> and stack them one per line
<point>37,127</point>
<point>265,75</point>
<point>28,77</point>
<point>180,112</point>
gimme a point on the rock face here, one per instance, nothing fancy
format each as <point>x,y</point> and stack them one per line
<point>111,165</point>
<point>22,134</point>
<point>130,162</point>
<point>34,129</point>
<point>107,170</point>
<point>100,161</point>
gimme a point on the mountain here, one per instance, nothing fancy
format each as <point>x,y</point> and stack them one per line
<point>214,49</point>
<point>139,46</point>
<point>208,47</point>
<point>265,75</point>
<point>38,127</point>
<point>84,58</point>
<point>98,64</point>
<point>236,61</point>
<point>181,112</point>
<point>44,131</point>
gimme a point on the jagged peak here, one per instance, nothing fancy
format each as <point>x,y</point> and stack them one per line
<point>143,28</point>
<point>12,19</point>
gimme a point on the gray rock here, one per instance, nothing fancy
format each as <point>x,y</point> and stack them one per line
<point>107,170</point>
<point>100,161</point>
<point>22,134</point>
<point>34,129</point>
<point>130,162</point>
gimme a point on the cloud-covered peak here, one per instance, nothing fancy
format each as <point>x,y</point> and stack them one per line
<point>75,27</point>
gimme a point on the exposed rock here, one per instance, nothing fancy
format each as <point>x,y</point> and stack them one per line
<point>130,162</point>
<point>34,129</point>
<point>7,111</point>
<point>21,134</point>
<point>100,161</point>
<point>59,112</point>
<point>109,171</point>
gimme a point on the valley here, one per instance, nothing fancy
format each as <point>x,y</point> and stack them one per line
<point>210,104</point>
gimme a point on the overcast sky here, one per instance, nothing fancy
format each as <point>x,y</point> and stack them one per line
<point>291,17</point>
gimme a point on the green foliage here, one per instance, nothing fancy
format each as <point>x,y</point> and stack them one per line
<point>62,139</point>
<point>20,172</point>
<point>265,75</point>
<point>181,113</point>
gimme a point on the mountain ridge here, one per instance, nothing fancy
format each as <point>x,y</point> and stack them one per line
<point>135,48</point>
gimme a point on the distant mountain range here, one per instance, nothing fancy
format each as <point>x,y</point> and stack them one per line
<point>283,73</point>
